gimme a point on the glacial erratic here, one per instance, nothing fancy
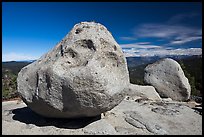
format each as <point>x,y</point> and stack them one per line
<point>84,75</point>
<point>168,78</point>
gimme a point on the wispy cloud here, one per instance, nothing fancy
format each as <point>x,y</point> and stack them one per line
<point>128,38</point>
<point>17,57</point>
<point>140,45</point>
<point>184,40</point>
<point>173,31</point>
<point>169,32</point>
<point>179,18</point>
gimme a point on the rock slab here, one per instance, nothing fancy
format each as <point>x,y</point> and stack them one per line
<point>127,118</point>
<point>168,78</point>
<point>82,76</point>
<point>146,92</point>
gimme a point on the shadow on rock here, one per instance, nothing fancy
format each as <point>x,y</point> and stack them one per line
<point>27,116</point>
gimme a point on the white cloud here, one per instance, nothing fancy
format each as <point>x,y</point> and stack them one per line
<point>140,45</point>
<point>144,43</point>
<point>184,40</point>
<point>17,57</point>
<point>161,52</point>
<point>128,54</point>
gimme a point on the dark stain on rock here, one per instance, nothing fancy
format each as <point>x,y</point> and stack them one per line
<point>86,27</point>
<point>90,44</point>
<point>114,57</point>
<point>86,44</point>
<point>61,50</point>
<point>86,63</point>
<point>115,48</point>
<point>72,53</point>
<point>79,30</point>
<point>103,42</point>
<point>37,77</point>
<point>47,78</point>
<point>67,95</point>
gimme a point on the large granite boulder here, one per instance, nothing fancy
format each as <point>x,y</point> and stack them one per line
<point>167,76</point>
<point>84,75</point>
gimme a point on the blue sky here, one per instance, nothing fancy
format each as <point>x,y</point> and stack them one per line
<point>30,29</point>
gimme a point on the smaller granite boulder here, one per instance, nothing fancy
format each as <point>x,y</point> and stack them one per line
<point>148,92</point>
<point>168,78</point>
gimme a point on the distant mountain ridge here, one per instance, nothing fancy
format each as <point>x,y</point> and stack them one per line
<point>137,61</point>
<point>19,61</point>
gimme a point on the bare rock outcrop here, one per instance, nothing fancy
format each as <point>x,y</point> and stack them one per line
<point>127,118</point>
<point>168,78</point>
<point>82,76</point>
